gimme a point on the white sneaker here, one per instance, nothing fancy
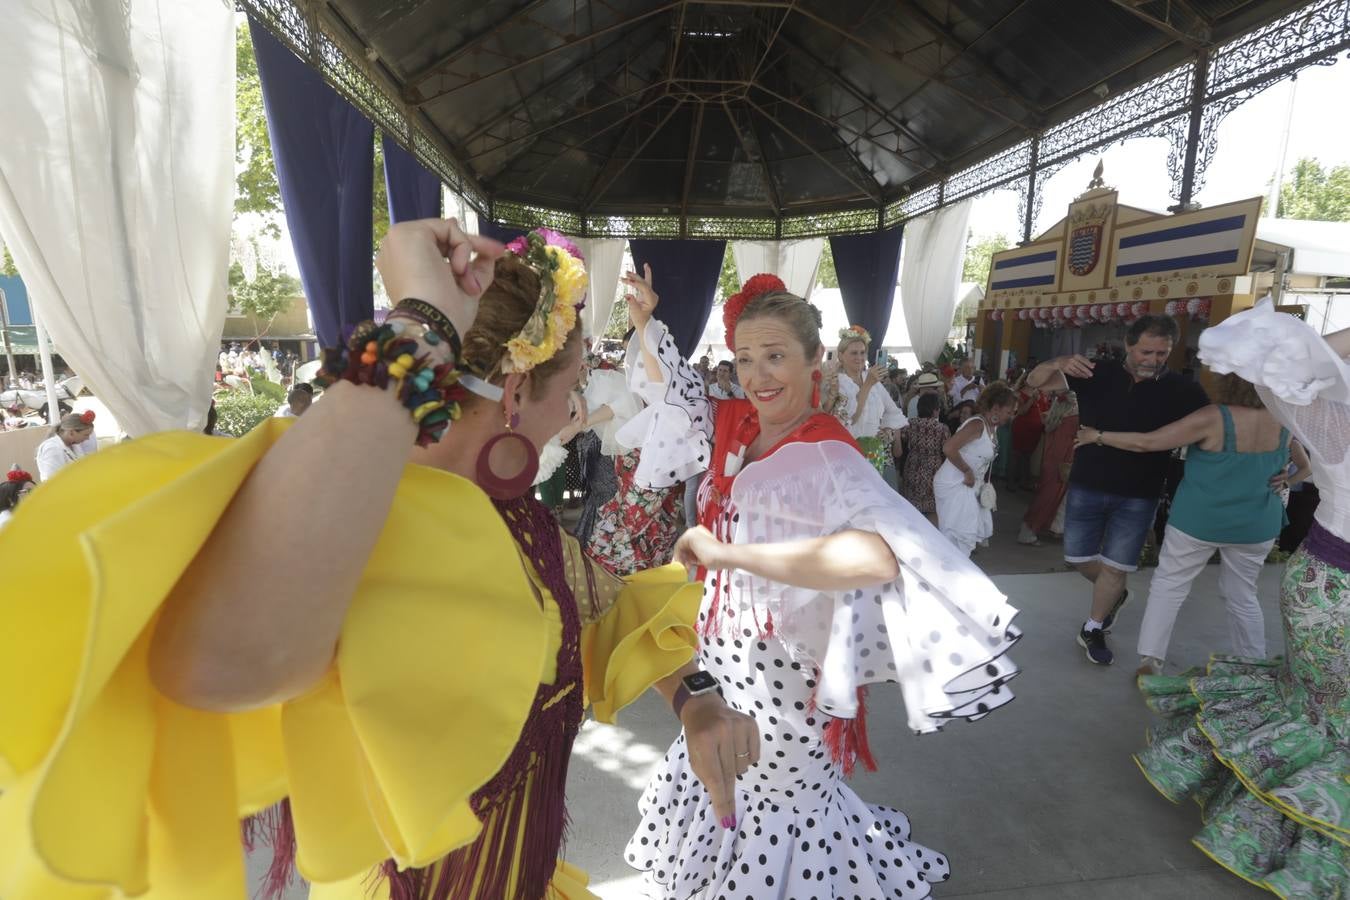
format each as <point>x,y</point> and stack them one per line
<point>1028,537</point>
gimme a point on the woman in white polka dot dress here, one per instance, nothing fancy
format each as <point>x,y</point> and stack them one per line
<point>818,580</point>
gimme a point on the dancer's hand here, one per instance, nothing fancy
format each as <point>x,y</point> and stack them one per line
<point>641,297</point>
<point>969,478</point>
<point>697,547</point>
<point>723,744</point>
<point>436,261</point>
<point>1086,436</point>
<point>1075,366</point>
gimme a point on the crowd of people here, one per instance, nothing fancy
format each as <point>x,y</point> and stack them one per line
<point>760,540</point>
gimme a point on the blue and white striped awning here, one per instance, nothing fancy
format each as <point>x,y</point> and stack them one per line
<point>1033,269</point>
<point>1195,245</point>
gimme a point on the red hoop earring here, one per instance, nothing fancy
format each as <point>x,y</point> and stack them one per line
<point>494,485</point>
<point>815,389</point>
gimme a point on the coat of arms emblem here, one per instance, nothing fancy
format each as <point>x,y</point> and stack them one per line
<point>1085,238</point>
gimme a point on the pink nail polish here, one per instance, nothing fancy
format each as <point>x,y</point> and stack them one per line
<point>726,822</point>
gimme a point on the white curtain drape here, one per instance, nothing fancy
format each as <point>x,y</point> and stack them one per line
<point>930,276</point>
<point>604,257</point>
<point>796,262</point>
<point>116,191</point>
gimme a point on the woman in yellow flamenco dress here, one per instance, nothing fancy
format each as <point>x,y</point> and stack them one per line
<point>356,650</point>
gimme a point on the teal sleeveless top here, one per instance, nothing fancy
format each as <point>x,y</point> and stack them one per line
<point>1225,497</point>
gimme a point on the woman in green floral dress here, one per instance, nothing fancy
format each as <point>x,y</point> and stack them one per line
<point>1264,745</point>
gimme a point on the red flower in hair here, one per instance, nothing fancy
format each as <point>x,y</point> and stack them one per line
<point>735,305</point>
<point>88,416</point>
<point>18,475</point>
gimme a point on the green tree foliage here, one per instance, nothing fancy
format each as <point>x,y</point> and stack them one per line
<point>826,277</point>
<point>729,281</point>
<point>266,296</point>
<point>239,412</point>
<point>980,249</point>
<point>380,200</point>
<point>256,188</point>
<point>7,266</point>
<point>1312,192</point>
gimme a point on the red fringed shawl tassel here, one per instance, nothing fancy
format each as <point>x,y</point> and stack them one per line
<point>275,828</point>
<point>847,739</point>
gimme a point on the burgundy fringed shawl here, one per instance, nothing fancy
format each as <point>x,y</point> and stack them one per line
<point>523,805</point>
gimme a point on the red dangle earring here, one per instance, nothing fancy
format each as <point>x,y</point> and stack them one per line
<point>815,389</point>
<point>494,485</point>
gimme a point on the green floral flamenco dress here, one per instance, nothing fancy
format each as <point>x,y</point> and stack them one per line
<point>1264,745</point>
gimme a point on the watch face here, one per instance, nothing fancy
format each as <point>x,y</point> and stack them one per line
<point>700,683</point>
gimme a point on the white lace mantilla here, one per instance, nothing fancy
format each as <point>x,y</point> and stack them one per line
<point>941,629</point>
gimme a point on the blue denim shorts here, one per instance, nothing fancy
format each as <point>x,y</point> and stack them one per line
<point>1106,527</point>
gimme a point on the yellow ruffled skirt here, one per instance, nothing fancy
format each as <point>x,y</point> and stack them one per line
<point>111,790</point>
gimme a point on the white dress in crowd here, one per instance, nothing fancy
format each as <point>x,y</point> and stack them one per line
<point>960,516</point>
<point>604,387</point>
<point>54,454</point>
<point>879,410</point>
<point>796,659</point>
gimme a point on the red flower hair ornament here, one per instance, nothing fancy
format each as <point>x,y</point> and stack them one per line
<point>18,475</point>
<point>736,303</point>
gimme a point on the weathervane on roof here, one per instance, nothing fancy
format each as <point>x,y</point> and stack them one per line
<point>1097,184</point>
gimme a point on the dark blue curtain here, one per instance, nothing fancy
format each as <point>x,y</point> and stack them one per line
<point>414,193</point>
<point>325,156</point>
<point>684,274</point>
<point>504,233</point>
<point>867,265</point>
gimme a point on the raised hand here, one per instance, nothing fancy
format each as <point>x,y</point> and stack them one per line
<point>641,297</point>
<point>1075,366</point>
<point>437,261</point>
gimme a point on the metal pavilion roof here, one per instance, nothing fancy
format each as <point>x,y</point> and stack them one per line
<point>774,119</point>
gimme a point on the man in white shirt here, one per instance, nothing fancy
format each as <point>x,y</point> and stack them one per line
<point>724,388</point>
<point>966,385</point>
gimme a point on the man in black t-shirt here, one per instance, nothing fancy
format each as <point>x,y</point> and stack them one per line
<point>1113,494</point>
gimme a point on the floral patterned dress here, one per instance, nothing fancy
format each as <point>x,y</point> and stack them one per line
<point>925,439</point>
<point>1263,745</point>
<point>637,528</point>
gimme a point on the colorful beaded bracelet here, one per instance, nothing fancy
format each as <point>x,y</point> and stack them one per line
<point>429,315</point>
<point>410,357</point>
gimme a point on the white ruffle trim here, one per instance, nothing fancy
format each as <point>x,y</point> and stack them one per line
<point>1279,352</point>
<point>941,629</point>
<point>674,430</point>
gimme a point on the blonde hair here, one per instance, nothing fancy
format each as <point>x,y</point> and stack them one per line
<point>847,339</point>
<point>801,318</point>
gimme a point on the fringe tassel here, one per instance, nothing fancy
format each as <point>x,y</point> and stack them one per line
<point>847,739</point>
<point>275,828</point>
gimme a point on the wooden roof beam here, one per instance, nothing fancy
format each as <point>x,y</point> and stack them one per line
<point>417,98</point>
<point>1195,41</point>
<point>857,94</point>
<point>872,191</point>
<point>775,201</point>
<point>609,173</point>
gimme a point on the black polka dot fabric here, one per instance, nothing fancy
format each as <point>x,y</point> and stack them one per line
<point>801,831</point>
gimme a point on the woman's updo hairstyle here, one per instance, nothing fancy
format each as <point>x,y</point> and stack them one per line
<point>851,338</point>
<point>503,310</point>
<point>801,318</point>
<point>997,394</point>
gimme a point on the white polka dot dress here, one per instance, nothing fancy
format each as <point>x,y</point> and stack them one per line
<point>791,657</point>
<point>801,831</point>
